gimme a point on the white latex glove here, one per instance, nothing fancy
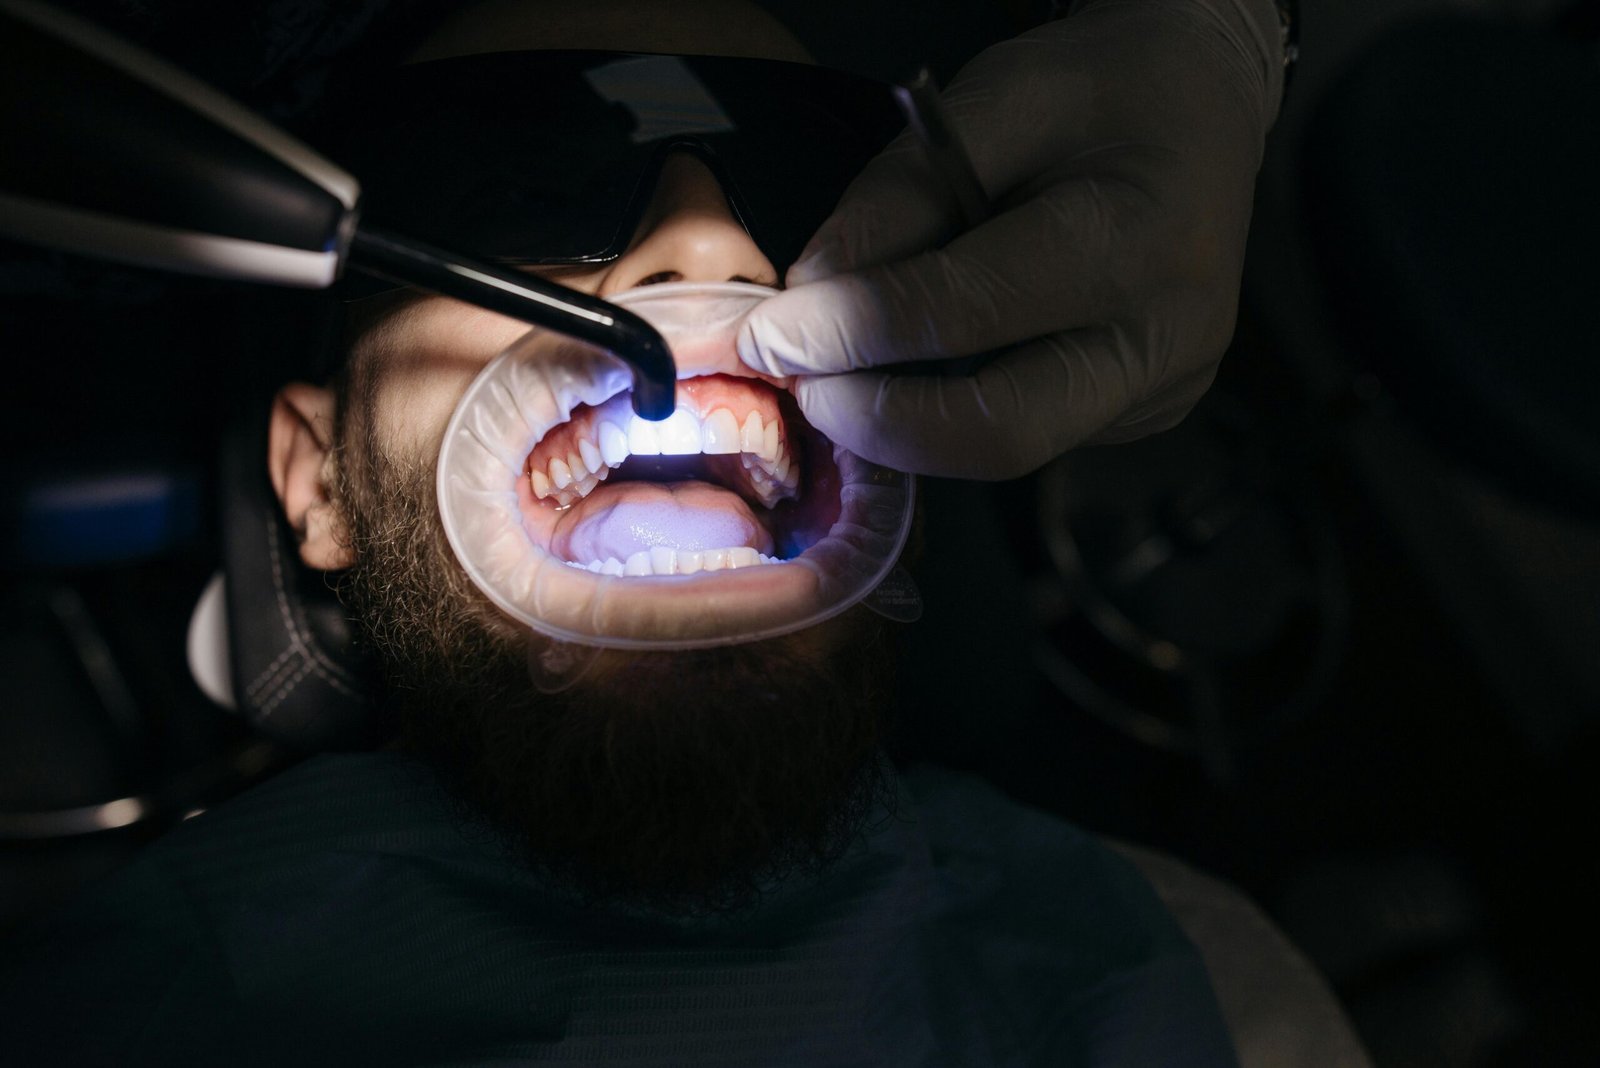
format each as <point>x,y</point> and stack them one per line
<point>1119,147</point>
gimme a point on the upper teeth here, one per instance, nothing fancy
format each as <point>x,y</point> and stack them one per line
<point>615,433</point>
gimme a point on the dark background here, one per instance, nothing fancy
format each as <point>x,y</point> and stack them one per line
<point>1335,638</point>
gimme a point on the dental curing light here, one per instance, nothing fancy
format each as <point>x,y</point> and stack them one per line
<point>113,153</point>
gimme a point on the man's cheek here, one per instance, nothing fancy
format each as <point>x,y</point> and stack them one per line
<point>414,405</point>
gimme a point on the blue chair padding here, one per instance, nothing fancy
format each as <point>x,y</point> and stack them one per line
<point>96,517</point>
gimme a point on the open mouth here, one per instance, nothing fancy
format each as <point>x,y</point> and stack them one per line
<point>734,478</point>
<point>730,521</point>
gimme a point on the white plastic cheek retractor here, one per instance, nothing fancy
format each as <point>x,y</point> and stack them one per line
<point>536,385</point>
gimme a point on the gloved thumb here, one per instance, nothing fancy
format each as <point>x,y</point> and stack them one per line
<point>983,291</point>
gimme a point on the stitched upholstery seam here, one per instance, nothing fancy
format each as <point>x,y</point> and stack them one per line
<point>300,642</point>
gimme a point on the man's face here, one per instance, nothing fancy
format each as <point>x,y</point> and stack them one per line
<point>683,779</point>
<point>430,348</point>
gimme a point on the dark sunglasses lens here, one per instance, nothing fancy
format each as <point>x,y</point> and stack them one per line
<point>518,156</point>
<point>802,134</point>
<point>509,212</point>
<point>491,155</point>
<point>786,194</point>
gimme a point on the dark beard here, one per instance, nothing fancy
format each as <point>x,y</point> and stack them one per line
<point>685,782</point>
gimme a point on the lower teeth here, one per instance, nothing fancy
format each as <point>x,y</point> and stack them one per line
<point>660,560</point>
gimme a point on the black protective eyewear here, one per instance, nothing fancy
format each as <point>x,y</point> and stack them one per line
<point>551,157</point>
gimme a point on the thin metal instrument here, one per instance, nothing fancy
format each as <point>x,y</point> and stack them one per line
<point>925,112</point>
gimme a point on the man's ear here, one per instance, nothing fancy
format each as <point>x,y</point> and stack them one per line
<point>299,440</point>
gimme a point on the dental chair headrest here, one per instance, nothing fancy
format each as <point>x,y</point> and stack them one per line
<point>294,669</point>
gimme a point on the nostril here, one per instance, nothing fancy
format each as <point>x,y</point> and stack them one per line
<point>659,277</point>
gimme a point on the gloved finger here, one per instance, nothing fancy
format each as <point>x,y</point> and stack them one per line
<point>1005,108</point>
<point>1013,415</point>
<point>1069,258</point>
<point>1161,411</point>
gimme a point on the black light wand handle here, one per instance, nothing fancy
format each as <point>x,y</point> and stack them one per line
<point>106,150</point>
<point>533,300</point>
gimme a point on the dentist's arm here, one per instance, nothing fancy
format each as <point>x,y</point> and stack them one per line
<point>1119,148</point>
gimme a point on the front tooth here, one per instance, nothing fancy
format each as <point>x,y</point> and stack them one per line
<point>540,481</point>
<point>781,472</point>
<point>580,470</point>
<point>719,434</point>
<point>613,443</point>
<point>751,435</point>
<point>560,474</point>
<point>714,559</point>
<point>594,565</point>
<point>680,434</point>
<point>587,486</point>
<point>662,560</point>
<point>643,438</point>
<point>769,441</point>
<point>638,563</point>
<point>743,556</point>
<point>612,566</point>
<point>689,563</point>
<point>590,454</point>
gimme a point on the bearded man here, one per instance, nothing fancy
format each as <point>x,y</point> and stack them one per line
<point>636,807</point>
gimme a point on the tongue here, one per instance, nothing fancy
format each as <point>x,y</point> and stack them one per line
<point>620,519</point>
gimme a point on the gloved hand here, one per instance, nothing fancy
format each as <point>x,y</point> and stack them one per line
<point>1119,148</point>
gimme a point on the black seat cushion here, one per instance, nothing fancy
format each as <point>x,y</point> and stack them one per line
<point>299,675</point>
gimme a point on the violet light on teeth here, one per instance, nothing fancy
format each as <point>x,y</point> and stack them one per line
<point>731,521</point>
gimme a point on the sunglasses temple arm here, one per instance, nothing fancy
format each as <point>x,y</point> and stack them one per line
<point>924,111</point>
<point>533,300</point>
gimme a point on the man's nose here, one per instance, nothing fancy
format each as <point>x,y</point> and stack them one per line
<point>688,234</point>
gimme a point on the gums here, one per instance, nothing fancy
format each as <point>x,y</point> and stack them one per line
<point>741,480</point>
